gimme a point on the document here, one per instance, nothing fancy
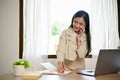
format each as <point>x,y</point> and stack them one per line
<point>51,69</point>
<point>49,66</point>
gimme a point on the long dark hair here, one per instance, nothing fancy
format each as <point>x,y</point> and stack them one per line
<point>85,16</point>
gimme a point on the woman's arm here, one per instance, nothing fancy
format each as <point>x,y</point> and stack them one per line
<point>82,47</point>
<point>61,51</point>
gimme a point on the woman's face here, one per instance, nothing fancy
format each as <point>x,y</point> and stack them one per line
<point>78,24</point>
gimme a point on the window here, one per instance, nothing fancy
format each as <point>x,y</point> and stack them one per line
<point>61,12</point>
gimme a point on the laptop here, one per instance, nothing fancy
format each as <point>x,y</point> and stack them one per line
<point>108,62</point>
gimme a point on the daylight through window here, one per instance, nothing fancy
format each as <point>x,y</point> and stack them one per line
<point>61,12</point>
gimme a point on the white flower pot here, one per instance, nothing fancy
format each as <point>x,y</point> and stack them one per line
<point>19,70</point>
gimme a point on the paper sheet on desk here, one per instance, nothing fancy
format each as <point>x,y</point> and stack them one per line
<point>49,66</point>
<point>51,69</point>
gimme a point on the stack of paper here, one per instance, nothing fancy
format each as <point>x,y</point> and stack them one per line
<point>31,75</point>
<point>50,69</point>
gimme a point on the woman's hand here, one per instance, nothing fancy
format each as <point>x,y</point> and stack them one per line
<point>78,37</point>
<point>60,68</point>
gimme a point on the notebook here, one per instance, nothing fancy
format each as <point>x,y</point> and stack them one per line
<point>108,62</point>
<point>51,69</point>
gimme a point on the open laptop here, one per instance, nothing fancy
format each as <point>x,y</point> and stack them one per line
<point>108,62</point>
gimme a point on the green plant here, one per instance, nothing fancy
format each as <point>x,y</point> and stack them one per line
<point>22,62</point>
<point>55,30</point>
<point>118,47</point>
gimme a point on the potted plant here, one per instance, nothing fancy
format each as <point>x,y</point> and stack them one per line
<point>118,47</point>
<point>20,66</point>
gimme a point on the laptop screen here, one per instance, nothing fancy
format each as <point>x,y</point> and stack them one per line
<point>108,62</point>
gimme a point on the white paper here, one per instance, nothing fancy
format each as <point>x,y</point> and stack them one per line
<point>51,69</point>
<point>49,66</point>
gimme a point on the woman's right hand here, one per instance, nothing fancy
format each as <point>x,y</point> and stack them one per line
<point>60,68</point>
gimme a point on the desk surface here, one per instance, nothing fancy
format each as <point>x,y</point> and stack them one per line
<point>74,76</point>
<point>70,76</point>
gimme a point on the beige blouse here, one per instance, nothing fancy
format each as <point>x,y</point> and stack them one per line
<point>67,47</point>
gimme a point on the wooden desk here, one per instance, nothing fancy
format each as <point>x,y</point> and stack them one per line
<point>71,76</point>
<point>9,76</point>
<point>74,76</point>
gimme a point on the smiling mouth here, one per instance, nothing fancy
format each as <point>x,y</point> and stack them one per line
<point>77,31</point>
<point>77,28</point>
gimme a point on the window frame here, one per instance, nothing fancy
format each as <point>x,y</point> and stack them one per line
<point>20,28</point>
<point>118,3</point>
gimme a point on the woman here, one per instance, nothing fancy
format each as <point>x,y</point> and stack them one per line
<point>74,44</point>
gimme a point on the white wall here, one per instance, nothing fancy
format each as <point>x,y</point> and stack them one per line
<point>9,34</point>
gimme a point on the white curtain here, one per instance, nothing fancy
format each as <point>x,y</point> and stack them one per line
<point>104,25</point>
<point>36,28</point>
<point>36,25</point>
